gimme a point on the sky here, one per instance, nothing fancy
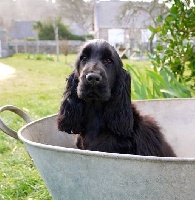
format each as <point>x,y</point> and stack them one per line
<point>24,10</point>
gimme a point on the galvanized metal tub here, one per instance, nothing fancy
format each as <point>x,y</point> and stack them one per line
<point>74,174</point>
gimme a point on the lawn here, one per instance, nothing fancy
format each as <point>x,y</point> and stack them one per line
<point>37,88</point>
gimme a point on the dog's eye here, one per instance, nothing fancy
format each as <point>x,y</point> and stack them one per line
<point>83,58</point>
<point>108,61</point>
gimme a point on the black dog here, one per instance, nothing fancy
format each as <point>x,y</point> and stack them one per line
<point>97,106</point>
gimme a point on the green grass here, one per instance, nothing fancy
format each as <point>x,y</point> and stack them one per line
<point>37,88</point>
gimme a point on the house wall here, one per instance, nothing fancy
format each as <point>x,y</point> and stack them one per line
<point>131,17</point>
<point>4,45</point>
<point>103,34</point>
<point>133,39</point>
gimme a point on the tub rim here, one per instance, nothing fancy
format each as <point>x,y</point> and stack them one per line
<point>96,153</point>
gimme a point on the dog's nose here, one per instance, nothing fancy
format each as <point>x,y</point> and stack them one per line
<point>93,78</point>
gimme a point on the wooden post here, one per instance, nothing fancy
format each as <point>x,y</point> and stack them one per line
<point>55,26</point>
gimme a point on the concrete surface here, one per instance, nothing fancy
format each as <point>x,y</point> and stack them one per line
<point>6,71</point>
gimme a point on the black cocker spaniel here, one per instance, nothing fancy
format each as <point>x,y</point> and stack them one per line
<point>97,106</point>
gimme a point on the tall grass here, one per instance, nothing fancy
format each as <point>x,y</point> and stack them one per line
<point>154,84</point>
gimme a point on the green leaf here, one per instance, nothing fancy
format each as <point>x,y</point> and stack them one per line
<point>170,18</point>
<point>176,94</point>
<point>169,52</point>
<point>174,10</point>
<point>160,18</point>
<point>136,86</point>
<point>152,29</point>
<point>159,47</point>
<point>157,92</point>
<point>158,29</point>
<point>156,77</point>
<point>136,73</point>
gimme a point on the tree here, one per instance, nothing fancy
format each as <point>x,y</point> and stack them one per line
<point>79,12</point>
<point>64,49</point>
<point>176,46</point>
<point>152,10</point>
<point>46,31</point>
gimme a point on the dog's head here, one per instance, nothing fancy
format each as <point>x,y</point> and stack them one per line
<point>99,76</point>
<point>97,67</point>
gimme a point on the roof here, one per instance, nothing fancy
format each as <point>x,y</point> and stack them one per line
<point>22,30</point>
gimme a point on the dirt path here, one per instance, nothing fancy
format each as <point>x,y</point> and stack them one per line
<point>6,71</point>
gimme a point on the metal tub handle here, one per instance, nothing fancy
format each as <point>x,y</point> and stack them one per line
<point>19,112</point>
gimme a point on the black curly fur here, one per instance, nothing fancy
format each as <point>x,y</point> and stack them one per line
<point>102,115</point>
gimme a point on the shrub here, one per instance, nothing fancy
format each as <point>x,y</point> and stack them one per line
<point>46,32</point>
<point>39,57</point>
<point>30,39</point>
<point>176,47</point>
<point>49,57</point>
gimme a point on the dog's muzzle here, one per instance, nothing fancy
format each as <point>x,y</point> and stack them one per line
<point>93,78</point>
<point>93,85</point>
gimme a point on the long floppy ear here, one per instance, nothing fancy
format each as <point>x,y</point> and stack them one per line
<point>70,115</point>
<point>118,113</point>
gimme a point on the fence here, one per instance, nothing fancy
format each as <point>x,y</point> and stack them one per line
<point>46,46</point>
